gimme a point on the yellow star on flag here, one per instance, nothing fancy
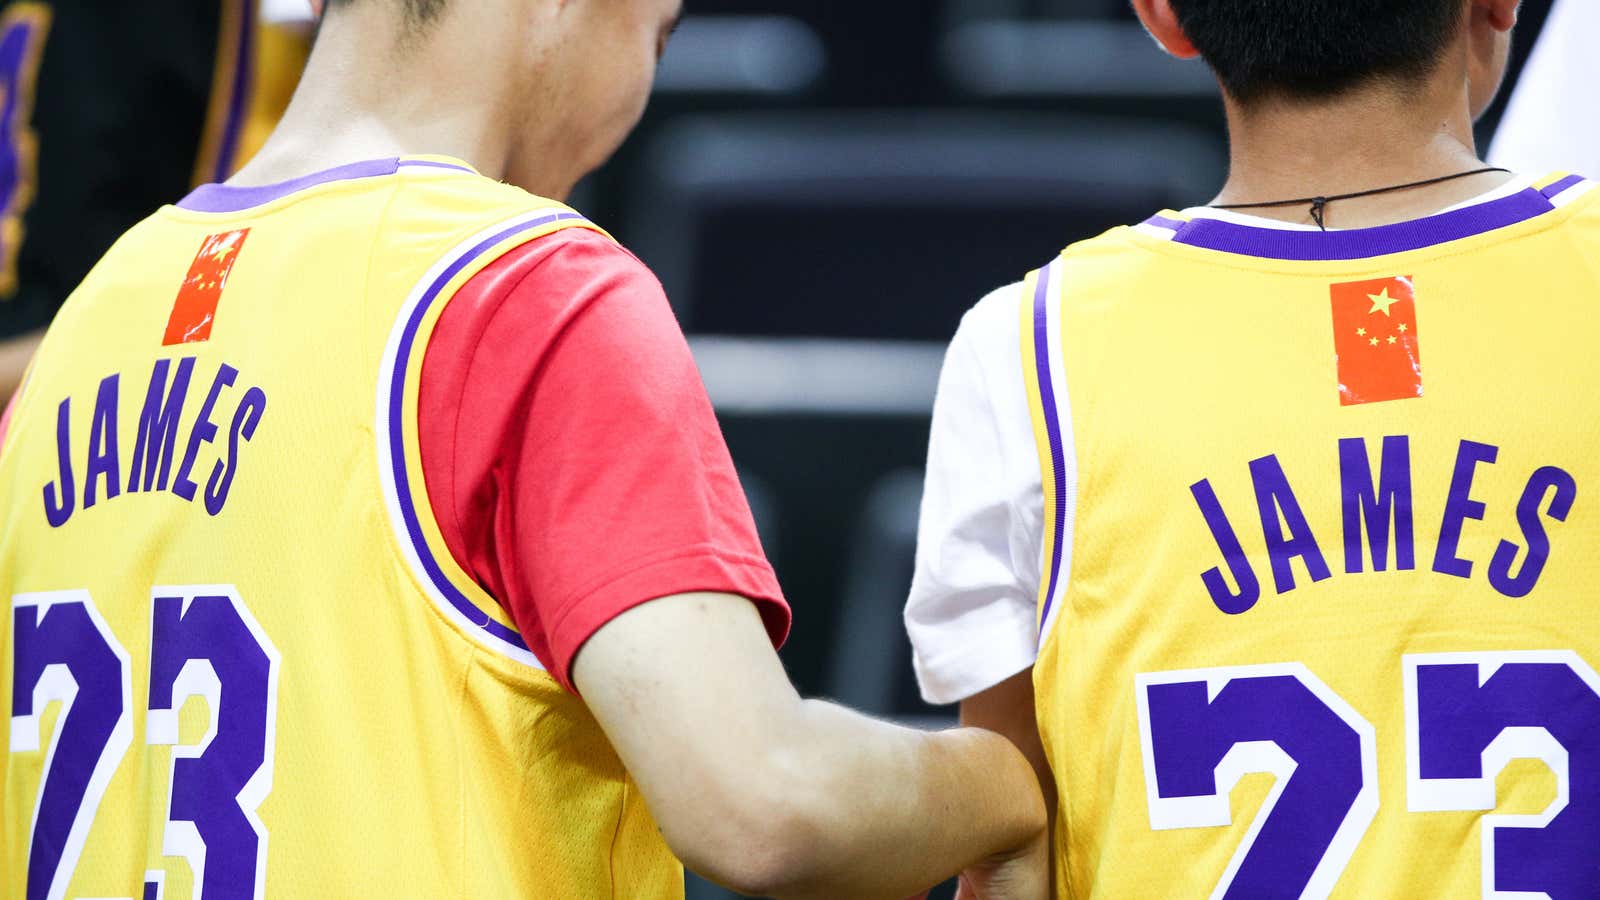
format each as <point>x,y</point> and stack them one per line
<point>229,245</point>
<point>1361,332</point>
<point>1392,338</point>
<point>1373,342</point>
<point>1404,327</point>
<point>1382,302</point>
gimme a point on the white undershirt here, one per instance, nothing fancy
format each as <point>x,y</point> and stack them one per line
<point>972,611</point>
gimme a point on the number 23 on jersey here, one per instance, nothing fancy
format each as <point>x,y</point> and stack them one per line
<point>69,669</point>
<point>1467,716</point>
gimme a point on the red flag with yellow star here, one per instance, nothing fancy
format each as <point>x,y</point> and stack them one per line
<point>1375,337</point>
<point>196,307</point>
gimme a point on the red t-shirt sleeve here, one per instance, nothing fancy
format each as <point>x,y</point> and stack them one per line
<point>569,450</point>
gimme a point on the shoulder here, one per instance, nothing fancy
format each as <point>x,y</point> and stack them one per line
<point>991,330</point>
<point>556,275</point>
<point>996,315</point>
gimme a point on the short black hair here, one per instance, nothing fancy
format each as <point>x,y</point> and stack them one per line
<point>1317,48</point>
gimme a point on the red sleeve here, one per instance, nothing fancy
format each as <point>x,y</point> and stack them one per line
<point>570,453</point>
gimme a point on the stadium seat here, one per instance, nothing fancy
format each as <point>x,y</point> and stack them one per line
<point>887,225</point>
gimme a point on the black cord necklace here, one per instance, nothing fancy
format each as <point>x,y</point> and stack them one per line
<point>1319,205</point>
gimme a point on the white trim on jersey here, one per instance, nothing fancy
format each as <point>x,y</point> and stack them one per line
<point>1067,491</point>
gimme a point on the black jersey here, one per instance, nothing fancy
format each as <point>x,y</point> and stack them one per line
<point>111,108</point>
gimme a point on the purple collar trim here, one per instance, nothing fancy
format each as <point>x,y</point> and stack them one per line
<point>1363,243</point>
<point>224,198</point>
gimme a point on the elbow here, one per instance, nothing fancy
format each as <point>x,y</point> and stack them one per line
<point>770,864</point>
<point>763,842</point>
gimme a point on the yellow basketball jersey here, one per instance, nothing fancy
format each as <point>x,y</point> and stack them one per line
<point>1325,620</point>
<point>239,660</point>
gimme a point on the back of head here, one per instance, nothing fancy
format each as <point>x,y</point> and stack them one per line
<point>1308,49</point>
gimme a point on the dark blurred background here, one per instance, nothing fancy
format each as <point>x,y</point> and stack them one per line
<point>825,188</point>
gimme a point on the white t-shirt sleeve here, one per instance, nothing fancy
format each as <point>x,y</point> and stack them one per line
<point>1545,128</point>
<point>972,611</point>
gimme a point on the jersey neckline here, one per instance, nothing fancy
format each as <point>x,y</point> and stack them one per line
<point>1225,236</point>
<point>228,198</point>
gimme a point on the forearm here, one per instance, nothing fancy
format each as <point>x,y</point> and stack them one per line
<point>772,795</point>
<point>15,353</point>
<point>888,807</point>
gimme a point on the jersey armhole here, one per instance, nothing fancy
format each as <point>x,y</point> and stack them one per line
<point>1048,407</point>
<point>418,538</point>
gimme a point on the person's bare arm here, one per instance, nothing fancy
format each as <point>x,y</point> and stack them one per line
<point>770,794</point>
<point>15,354</point>
<point>1008,709</point>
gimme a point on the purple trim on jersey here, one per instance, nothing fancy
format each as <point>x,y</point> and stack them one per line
<point>1363,243</point>
<point>225,198</point>
<point>1562,186</point>
<point>1160,221</point>
<point>239,94</point>
<point>396,430</point>
<point>1052,425</point>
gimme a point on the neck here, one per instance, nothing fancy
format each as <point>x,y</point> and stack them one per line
<point>1375,137</point>
<point>362,99</point>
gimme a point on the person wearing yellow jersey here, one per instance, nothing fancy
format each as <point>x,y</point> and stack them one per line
<point>1268,529</point>
<point>365,531</point>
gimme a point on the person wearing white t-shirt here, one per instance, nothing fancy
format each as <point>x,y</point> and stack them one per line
<point>1144,457</point>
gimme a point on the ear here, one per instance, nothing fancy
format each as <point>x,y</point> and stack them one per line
<point>1162,23</point>
<point>1502,14</point>
<point>317,6</point>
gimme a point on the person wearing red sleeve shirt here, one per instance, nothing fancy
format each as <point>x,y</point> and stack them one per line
<point>578,481</point>
<point>573,461</point>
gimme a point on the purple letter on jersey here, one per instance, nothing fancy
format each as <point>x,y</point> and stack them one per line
<point>1523,583</point>
<point>156,440</point>
<point>1232,552</point>
<point>1377,505</point>
<point>60,501</point>
<point>1273,495</point>
<point>1459,507</point>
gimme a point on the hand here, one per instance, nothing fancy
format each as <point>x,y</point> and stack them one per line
<point>1020,875</point>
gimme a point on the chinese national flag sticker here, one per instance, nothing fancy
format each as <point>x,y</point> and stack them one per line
<point>196,307</point>
<point>1375,337</point>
